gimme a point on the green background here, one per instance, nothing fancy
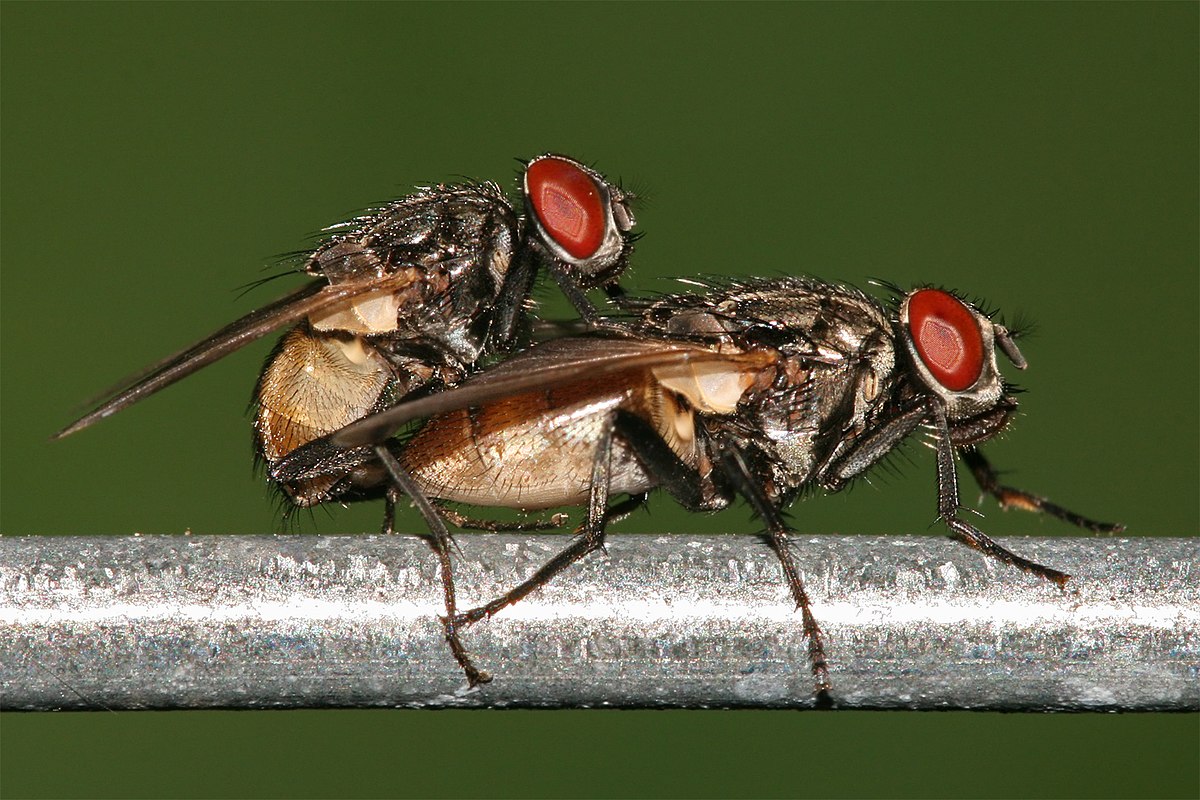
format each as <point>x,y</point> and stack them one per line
<point>156,157</point>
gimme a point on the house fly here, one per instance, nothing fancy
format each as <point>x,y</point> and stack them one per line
<point>759,389</point>
<point>407,299</point>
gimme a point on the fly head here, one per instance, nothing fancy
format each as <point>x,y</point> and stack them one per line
<point>577,218</point>
<point>951,348</point>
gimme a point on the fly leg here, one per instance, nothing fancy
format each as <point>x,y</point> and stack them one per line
<point>441,543</point>
<point>625,508</point>
<point>733,463</point>
<point>494,526</point>
<point>509,308</point>
<point>687,486</point>
<point>965,532</point>
<point>390,498</point>
<point>1008,497</point>
<point>615,513</point>
<point>570,288</point>
<point>864,454</point>
<point>857,460</point>
<point>591,538</point>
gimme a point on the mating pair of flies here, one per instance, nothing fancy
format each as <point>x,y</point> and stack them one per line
<point>758,389</point>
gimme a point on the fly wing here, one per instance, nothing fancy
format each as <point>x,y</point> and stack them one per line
<point>312,298</point>
<point>550,365</point>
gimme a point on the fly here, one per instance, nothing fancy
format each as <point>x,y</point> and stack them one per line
<point>406,300</point>
<point>759,389</point>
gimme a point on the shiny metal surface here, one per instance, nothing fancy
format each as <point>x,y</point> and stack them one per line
<point>672,621</point>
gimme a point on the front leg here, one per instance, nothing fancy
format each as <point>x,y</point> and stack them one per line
<point>1008,497</point>
<point>578,297</point>
<point>867,451</point>
<point>962,530</point>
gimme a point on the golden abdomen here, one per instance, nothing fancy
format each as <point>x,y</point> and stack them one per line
<point>313,385</point>
<point>532,451</point>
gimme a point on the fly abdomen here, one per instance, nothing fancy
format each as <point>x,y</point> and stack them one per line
<point>314,384</point>
<point>529,452</point>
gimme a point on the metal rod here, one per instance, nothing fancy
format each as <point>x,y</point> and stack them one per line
<point>95,622</point>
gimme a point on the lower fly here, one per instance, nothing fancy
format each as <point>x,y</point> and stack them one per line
<point>758,389</point>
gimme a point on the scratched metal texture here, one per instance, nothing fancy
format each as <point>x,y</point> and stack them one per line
<point>912,622</point>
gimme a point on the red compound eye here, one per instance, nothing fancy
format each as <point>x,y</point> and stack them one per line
<point>947,338</point>
<point>568,204</point>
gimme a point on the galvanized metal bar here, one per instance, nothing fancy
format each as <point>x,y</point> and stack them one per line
<point>657,621</point>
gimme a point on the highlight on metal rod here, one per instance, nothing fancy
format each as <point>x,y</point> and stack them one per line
<point>96,622</point>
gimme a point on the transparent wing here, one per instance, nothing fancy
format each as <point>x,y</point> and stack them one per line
<point>312,298</point>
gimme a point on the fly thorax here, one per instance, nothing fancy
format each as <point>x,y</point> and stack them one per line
<point>793,461</point>
<point>500,260</point>
<point>819,404</point>
<point>873,382</point>
<point>788,419</point>
<point>464,342</point>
